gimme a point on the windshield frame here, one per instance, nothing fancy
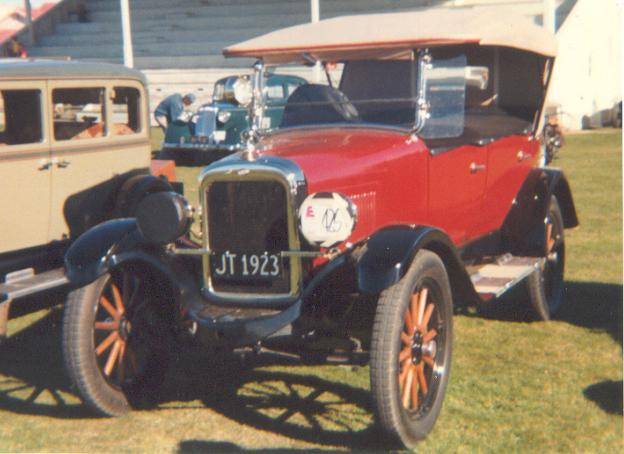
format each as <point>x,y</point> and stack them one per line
<point>422,60</point>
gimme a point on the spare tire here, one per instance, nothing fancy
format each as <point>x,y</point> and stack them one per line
<point>134,189</point>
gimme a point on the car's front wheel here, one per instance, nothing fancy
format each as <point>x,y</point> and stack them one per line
<point>411,350</point>
<point>114,342</point>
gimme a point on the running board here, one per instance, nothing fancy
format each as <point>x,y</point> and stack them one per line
<point>25,283</point>
<point>492,280</point>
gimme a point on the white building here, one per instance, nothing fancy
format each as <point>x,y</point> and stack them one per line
<point>587,79</point>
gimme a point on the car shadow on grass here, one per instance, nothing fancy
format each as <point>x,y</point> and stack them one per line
<point>225,447</point>
<point>607,395</point>
<point>32,377</point>
<point>593,305</point>
<point>301,405</point>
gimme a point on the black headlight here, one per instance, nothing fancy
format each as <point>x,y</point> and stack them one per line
<point>164,217</point>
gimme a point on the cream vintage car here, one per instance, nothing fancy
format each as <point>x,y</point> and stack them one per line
<point>74,152</point>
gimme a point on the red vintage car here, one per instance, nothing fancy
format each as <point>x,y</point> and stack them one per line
<point>404,184</point>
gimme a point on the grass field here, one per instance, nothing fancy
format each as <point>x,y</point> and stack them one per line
<point>515,386</point>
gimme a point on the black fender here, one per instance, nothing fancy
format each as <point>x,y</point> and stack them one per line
<point>523,231</point>
<point>387,255</point>
<point>134,189</point>
<point>119,241</point>
<point>559,187</point>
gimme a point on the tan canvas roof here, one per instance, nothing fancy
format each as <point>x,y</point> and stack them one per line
<point>393,35</point>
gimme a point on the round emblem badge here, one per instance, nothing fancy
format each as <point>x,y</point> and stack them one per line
<point>327,218</point>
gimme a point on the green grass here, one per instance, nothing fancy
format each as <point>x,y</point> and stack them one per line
<point>515,386</point>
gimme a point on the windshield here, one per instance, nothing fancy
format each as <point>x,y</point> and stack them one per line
<point>354,92</point>
<point>375,92</point>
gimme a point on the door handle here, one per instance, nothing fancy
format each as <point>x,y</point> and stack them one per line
<point>522,156</point>
<point>62,164</point>
<point>44,164</point>
<point>474,167</point>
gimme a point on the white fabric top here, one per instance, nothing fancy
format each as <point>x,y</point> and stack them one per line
<point>393,35</point>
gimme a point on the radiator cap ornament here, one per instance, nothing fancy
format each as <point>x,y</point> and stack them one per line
<point>327,218</point>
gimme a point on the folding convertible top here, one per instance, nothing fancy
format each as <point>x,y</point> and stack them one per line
<point>394,35</point>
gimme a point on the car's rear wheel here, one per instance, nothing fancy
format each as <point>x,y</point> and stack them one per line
<point>115,343</point>
<point>411,350</point>
<point>545,285</point>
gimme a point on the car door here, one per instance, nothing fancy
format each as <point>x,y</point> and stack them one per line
<point>457,180</point>
<point>95,146</point>
<point>510,159</point>
<point>25,170</point>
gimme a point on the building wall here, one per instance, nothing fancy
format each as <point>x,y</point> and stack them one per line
<point>587,79</point>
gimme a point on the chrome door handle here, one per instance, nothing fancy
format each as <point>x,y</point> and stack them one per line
<point>44,164</point>
<point>474,167</point>
<point>62,164</point>
<point>522,156</point>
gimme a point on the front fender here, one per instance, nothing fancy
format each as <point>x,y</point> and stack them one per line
<point>107,246</point>
<point>89,256</point>
<point>113,243</point>
<point>388,255</point>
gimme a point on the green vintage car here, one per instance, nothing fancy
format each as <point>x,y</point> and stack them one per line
<point>216,127</point>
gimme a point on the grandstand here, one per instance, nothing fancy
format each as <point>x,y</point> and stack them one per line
<point>178,43</point>
<point>191,33</point>
<point>170,35</point>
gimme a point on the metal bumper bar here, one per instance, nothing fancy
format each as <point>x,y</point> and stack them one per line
<point>240,331</point>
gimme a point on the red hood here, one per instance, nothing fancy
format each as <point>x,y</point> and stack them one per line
<point>335,158</point>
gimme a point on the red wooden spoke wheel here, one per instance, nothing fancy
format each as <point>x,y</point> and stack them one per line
<point>113,331</point>
<point>419,348</point>
<point>115,342</point>
<point>545,286</point>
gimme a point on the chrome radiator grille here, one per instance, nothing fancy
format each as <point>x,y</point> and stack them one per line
<point>206,122</point>
<point>248,217</point>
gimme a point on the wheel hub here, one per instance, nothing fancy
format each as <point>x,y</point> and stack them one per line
<point>417,348</point>
<point>430,349</point>
<point>125,327</point>
<point>420,348</point>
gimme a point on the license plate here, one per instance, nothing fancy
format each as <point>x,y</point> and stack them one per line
<point>230,265</point>
<point>219,136</point>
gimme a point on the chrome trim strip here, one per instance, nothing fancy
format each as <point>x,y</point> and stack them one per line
<point>367,126</point>
<point>203,251</point>
<point>265,168</point>
<point>201,147</point>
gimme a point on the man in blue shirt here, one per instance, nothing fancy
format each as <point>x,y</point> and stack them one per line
<point>171,108</point>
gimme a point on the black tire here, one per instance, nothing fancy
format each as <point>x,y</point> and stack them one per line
<point>408,423</point>
<point>139,339</point>
<point>545,285</point>
<point>135,189</point>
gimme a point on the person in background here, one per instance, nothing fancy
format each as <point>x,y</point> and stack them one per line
<point>171,108</point>
<point>15,49</point>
